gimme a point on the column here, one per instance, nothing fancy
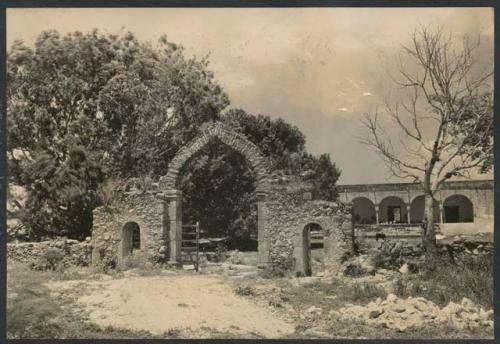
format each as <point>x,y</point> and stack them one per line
<point>408,213</point>
<point>376,213</point>
<point>263,244</point>
<point>174,198</point>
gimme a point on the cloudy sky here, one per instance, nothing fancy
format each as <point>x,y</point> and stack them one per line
<point>320,69</point>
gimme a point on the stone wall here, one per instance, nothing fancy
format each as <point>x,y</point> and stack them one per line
<point>285,210</point>
<point>143,208</point>
<point>34,254</point>
<point>288,210</point>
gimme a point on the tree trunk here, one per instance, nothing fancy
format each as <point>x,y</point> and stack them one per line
<point>429,235</point>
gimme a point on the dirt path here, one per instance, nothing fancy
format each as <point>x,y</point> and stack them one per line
<point>192,303</point>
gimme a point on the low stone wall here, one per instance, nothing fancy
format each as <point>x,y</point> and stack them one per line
<point>35,254</point>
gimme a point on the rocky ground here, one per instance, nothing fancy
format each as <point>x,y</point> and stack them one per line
<point>401,314</point>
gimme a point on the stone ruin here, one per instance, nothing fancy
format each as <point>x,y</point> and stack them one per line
<point>284,208</point>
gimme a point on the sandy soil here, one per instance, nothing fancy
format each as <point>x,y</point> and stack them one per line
<point>192,303</point>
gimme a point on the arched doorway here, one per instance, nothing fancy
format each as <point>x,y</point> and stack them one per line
<point>131,239</point>
<point>226,206</point>
<point>392,210</point>
<point>417,210</point>
<point>363,211</point>
<point>169,183</point>
<point>458,208</point>
<point>312,248</point>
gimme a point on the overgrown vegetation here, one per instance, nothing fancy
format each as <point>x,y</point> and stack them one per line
<point>244,291</point>
<point>358,292</point>
<point>444,281</point>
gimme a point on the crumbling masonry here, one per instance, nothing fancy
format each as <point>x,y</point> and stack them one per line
<point>284,209</point>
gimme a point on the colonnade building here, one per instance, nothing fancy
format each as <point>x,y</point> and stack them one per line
<point>461,207</point>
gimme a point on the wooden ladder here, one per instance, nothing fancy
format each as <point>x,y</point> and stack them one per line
<point>190,244</point>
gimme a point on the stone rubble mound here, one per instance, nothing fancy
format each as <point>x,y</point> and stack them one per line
<point>402,314</point>
<point>73,252</point>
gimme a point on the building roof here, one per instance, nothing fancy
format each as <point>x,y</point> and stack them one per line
<point>448,185</point>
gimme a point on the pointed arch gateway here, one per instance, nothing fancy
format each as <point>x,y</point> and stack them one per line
<point>168,183</point>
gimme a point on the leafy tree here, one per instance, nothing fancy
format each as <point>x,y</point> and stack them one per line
<point>276,139</point>
<point>284,144</point>
<point>125,106</point>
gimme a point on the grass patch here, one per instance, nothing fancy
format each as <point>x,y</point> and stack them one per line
<point>358,292</point>
<point>340,329</point>
<point>30,310</point>
<point>443,281</point>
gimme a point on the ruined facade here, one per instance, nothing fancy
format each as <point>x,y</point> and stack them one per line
<point>284,209</point>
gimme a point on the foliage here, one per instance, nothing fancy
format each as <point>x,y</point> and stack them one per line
<point>271,271</point>
<point>52,258</point>
<point>284,145</point>
<point>30,310</point>
<point>85,106</point>
<point>365,291</point>
<point>244,291</point>
<point>218,180</point>
<point>444,281</point>
<point>61,195</point>
<point>109,191</point>
<point>358,292</point>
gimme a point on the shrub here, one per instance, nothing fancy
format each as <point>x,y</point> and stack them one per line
<point>244,291</point>
<point>365,291</point>
<point>52,259</point>
<point>109,191</point>
<point>106,262</point>
<point>354,270</point>
<point>347,292</point>
<point>272,272</point>
<point>443,281</point>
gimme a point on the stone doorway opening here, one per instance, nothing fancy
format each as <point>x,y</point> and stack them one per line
<point>174,195</point>
<point>131,239</point>
<point>218,191</point>
<point>313,248</point>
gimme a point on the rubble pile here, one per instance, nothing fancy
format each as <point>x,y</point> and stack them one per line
<point>460,245</point>
<point>35,254</point>
<point>402,314</point>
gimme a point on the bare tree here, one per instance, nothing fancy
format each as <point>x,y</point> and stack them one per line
<point>443,122</point>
